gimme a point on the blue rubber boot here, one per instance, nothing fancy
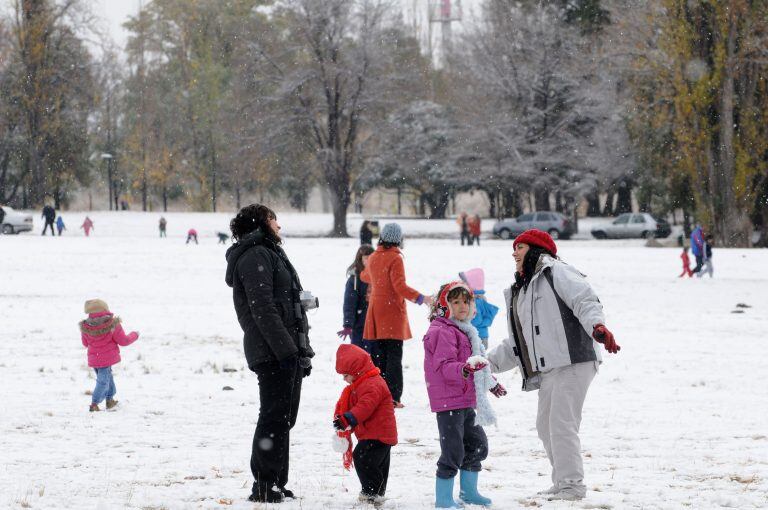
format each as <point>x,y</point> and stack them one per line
<point>468,489</point>
<point>444,493</point>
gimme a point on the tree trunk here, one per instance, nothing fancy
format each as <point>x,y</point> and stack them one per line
<point>492,196</point>
<point>593,203</point>
<point>340,203</point>
<point>541,196</point>
<point>608,209</point>
<point>734,229</point>
<point>165,198</point>
<point>624,198</point>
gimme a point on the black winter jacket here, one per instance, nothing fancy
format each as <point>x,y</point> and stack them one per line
<point>355,305</point>
<point>265,290</point>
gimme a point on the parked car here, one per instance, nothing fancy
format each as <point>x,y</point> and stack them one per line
<point>558,226</point>
<point>15,222</point>
<point>633,225</point>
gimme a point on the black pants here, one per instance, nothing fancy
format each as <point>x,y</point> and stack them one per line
<point>465,235</point>
<point>699,263</point>
<point>45,228</point>
<point>388,357</point>
<point>372,465</point>
<point>477,239</point>
<point>279,394</point>
<point>463,445</point>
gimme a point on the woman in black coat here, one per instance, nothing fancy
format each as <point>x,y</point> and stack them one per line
<point>356,301</point>
<point>266,292</point>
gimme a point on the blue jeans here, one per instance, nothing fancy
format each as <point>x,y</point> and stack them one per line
<point>105,385</point>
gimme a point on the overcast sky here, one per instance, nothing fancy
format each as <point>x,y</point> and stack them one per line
<point>115,12</point>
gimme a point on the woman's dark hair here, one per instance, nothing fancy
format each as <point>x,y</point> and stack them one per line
<point>250,218</point>
<point>529,265</point>
<point>364,226</point>
<point>387,245</point>
<point>357,266</point>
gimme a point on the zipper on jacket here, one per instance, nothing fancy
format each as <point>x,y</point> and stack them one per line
<point>533,336</point>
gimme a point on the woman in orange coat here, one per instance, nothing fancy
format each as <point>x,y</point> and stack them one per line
<point>387,320</point>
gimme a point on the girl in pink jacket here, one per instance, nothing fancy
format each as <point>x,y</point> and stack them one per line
<point>102,334</point>
<point>458,378</point>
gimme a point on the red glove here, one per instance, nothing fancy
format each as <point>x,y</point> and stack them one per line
<point>605,337</point>
<point>469,369</point>
<point>498,390</point>
<point>344,333</point>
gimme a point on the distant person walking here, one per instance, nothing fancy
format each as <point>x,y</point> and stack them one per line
<point>222,237</point>
<point>162,225</point>
<point>366,234</point>
<point>697,247</point>
<point>192,236</point>
<point>49,215</point>
<point>463,222</point>
<point>386,323</point>
<point>474,229</point>
<point>87,226</point>
<point>706,266</point>
<point>60,225</point>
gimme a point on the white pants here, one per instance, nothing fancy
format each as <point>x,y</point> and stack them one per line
<point>561,398</point>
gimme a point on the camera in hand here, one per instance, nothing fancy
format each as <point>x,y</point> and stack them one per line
<point>308,301</point>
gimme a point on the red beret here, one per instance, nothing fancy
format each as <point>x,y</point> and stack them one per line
<point>536,237</point>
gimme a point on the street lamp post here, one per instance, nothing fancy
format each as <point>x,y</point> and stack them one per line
<point>108,158</point>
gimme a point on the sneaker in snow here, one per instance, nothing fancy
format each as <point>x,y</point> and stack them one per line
<point>551,490</point>
<point>111,403</point>
<point>373,499</point>
<point>565,495</point>
<point>94,407</point>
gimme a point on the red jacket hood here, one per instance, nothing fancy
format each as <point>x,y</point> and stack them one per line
<point>352,360</point>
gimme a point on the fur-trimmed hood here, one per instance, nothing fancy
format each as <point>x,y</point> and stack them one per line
<point>99,324</point>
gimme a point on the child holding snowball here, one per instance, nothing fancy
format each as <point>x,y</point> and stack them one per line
<point>458,380</point>
<point>365,409</point>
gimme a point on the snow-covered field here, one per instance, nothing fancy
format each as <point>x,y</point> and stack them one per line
<point>676,420</point>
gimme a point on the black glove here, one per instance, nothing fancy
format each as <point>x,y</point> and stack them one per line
<point>337,423</point>
<point>306,364</point>
<point>289,362</point>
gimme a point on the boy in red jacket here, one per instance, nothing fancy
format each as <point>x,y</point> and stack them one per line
<point>365,408</point>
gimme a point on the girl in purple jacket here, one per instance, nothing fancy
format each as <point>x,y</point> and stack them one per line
<point>457,379</point>
<point>102,334</point>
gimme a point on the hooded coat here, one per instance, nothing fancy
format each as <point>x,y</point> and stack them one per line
<point>103,335</point>
<point>387,317</point>
<point>371,401</point>
<point>266,294</point>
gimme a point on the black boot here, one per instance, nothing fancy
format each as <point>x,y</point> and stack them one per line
<point>288,493</point>
<point>264,494</point>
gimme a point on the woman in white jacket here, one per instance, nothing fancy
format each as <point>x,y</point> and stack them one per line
<point>555,323</point>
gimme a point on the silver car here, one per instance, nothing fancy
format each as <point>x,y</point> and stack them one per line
<point>558,226</point>
<point>633,225</point>
<point>15,222</point>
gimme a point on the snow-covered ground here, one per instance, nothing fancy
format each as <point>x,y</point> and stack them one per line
<point>676,420</point>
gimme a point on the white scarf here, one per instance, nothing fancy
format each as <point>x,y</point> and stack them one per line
<point>484,380</point>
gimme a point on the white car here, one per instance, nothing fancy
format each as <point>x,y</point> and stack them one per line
<point>15,222</point>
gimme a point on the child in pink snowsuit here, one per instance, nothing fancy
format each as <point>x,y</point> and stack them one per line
<point>686,263</point>
<point>102,334</point>
<point>87,226</point>
<point>192,235</point>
